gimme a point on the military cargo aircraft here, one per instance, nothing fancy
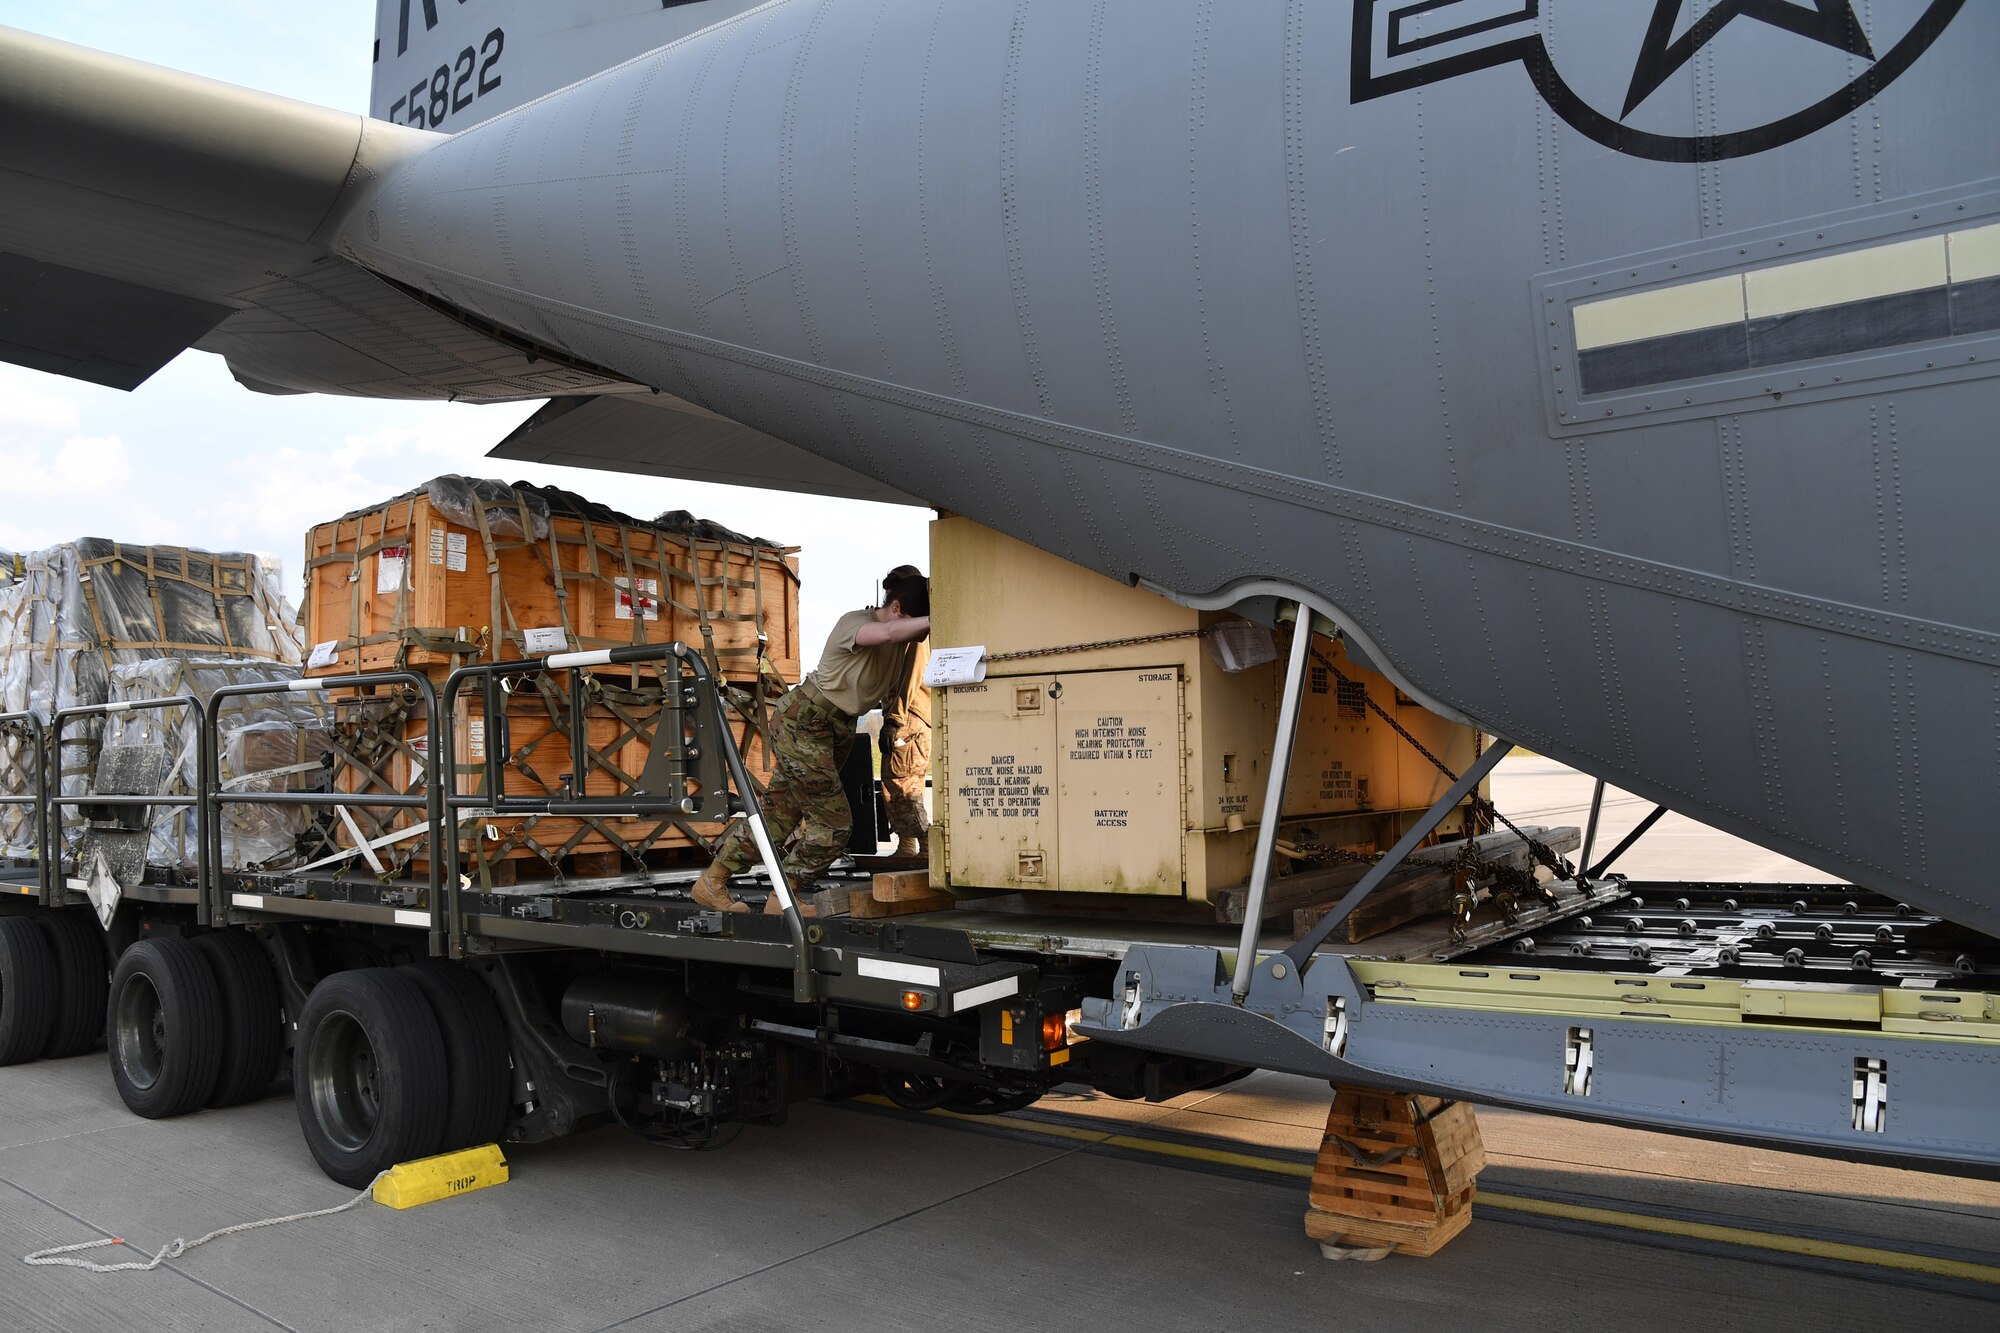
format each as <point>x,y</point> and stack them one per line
<point>1619,376</point>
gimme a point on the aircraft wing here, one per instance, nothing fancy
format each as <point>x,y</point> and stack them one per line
<point>144,211</point>
<point>663,436</point>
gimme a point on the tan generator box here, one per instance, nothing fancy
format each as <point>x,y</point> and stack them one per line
<point>1140,768</point>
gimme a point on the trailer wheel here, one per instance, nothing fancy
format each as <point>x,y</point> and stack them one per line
<point>368,1074</point>
<point>83,981</point>
<point>914,1092</point>
<point>475,1052</point>
<point>165,1027</point>
<point>252,1036</point>
<point>27,990</point>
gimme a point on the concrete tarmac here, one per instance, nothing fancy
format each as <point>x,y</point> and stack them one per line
<point>1080,1213</point>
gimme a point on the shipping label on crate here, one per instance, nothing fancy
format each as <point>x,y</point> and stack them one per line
<point>454,552</point>
<point>546,639</point>
<point>437,546</point>
<point>390,564</point>
<point>324,654</point>
<point>475,738</point>
<point>645,600</point>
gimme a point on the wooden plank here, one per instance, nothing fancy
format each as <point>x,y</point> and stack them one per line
<point>862,903</point>
<point>830,902</point>
<point>1419,1241</point>
<point>897,886</point>
<point>595,865</point>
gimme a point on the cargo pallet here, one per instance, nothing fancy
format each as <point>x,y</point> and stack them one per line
<point>519,1014</point>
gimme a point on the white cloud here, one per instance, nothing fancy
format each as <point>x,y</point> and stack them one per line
<point>24,409</point>
<point>90,465</point>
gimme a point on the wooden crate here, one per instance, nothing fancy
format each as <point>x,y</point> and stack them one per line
<point>1395,1172</point>
<point>404,584</point>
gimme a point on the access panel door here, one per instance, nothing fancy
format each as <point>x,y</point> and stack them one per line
<point>1121,779</point>
<point>999,806</point>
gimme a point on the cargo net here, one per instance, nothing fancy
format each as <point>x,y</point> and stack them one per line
<point>380,746</point>
<point>550,560</point>
<point>79,620</point>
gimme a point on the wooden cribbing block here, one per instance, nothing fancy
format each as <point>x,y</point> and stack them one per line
<point>1395,1172</point>
<point>864,903</point>
<point>896,886</point>
<point>1407,896</point>
<point>830,902</point>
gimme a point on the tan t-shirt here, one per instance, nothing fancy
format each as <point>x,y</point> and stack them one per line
<point>855,679</point>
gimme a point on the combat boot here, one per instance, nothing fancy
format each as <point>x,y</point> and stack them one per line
<point>909,845</point>
<point>712,891</point>
<point>806,909</point>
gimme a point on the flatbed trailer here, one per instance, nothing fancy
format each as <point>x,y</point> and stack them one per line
<point>1812,1017</point>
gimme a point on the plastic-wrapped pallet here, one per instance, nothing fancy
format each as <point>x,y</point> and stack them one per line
<point>75,612</point>
<point>268,743</point>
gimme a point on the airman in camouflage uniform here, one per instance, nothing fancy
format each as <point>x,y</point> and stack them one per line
<point>805,809</point>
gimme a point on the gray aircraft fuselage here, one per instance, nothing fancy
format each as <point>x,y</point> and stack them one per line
<point>1620,374</point>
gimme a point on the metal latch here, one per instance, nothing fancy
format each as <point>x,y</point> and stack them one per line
<point>701,923</point>
<point>1128,1012</point>
<point>537,909</point>
<point>1579,1062</point>
<point>1335,1038</point>
<point>1871,1096</point>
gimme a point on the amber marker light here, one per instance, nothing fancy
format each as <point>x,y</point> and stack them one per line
<point>913,1000</point>
<point>1055,1032</point>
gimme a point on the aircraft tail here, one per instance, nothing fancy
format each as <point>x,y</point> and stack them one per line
<point>450,64</point>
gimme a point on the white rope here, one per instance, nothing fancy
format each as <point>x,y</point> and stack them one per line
<point>59,1256</point>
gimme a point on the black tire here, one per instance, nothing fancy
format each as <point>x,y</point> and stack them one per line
<point>253,1036</point>
<point>368,1074</point>
<point>164,1027</point>
<point>970,1099</point>
<point>27,990</point>
<point>914,1092</point>
<point>475,1052</point>
<point>83,981</point>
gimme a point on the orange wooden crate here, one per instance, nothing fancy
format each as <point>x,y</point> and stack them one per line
<point>404,583</point>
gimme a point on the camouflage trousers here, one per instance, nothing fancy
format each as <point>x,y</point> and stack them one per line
<point>805,807</point>
<point>906,762</point>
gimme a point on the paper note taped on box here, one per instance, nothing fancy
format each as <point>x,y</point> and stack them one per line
<point>956,666</point>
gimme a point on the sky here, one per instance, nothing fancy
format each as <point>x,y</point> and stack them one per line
<point>192,458</point>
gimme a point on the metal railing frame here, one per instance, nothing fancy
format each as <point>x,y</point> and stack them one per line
<point>440,800</point>
<point>431,802</point>
<point>495,799</point>
<point>37,737</point>
<point>198,802</point>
